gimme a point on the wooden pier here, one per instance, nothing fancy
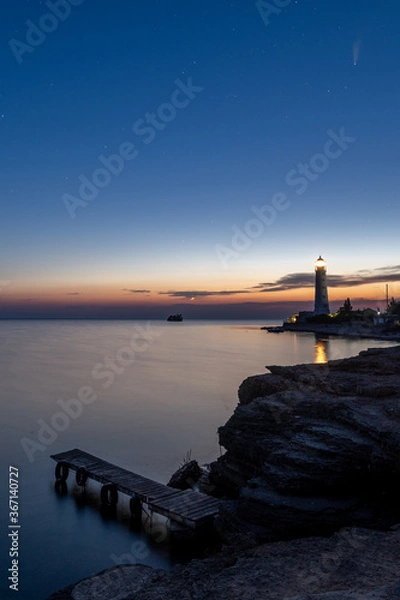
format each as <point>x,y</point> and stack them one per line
<point>187,508</point>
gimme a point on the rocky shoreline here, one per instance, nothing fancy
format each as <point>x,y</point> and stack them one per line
<point>356,330</point>
<point>353,564</point>
<point>311,451</point>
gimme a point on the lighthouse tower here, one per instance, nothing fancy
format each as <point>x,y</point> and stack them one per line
<point>321,289</point>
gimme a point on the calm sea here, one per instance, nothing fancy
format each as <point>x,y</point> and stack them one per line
<point>154,391</point>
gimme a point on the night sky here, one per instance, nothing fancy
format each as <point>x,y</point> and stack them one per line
<point>197,156</point>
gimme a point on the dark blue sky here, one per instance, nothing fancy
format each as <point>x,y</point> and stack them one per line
<point>264,98</point>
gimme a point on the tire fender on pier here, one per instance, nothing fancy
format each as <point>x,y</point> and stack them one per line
<point>81,476</point>
<point>61,471</point>
<point>109,495</point>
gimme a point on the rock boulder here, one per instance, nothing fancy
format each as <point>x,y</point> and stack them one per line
<point>186,476</point>
<point>312,448</point>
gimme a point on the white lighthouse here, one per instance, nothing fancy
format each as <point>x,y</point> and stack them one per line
<point>321,289</point>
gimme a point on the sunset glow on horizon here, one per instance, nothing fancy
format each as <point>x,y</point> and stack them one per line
<point>25,299</point>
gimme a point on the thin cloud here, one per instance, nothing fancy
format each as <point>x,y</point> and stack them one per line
<point>388,269</point>
<point>306,280</point>
<point>136,291</point>
<point>202,293</point>
<point>288,282</point>
<point>73,294</point>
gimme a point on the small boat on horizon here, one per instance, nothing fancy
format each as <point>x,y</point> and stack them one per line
<point>177,317</point>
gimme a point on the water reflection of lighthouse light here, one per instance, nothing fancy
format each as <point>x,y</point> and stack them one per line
<point>321,351</point>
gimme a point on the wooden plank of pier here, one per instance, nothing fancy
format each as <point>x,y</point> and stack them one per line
<point>188,508</point>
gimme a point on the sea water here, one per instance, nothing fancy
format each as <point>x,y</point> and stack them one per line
<point>142,395</point>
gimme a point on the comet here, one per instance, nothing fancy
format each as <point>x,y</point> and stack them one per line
<point>356,52</point>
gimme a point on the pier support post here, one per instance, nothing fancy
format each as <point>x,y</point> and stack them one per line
<point>135,506</point>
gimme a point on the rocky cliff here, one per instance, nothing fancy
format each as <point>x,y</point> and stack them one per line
<point>312,448</point>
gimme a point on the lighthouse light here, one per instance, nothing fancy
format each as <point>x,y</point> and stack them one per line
<point>320,263</point>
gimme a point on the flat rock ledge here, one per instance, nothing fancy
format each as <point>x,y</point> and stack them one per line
<point>313,448</point>
<point>353,564</point>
